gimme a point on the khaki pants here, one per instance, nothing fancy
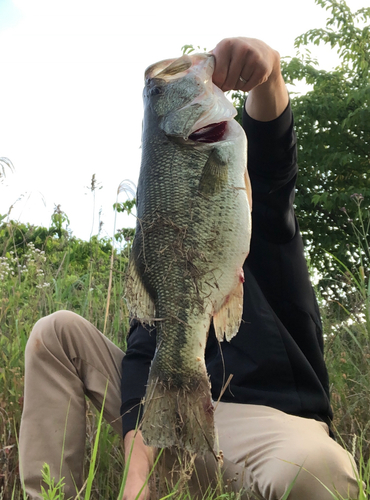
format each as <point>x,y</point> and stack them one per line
<point>67,359</point>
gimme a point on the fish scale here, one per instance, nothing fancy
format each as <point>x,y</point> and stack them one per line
<point>192,237</point>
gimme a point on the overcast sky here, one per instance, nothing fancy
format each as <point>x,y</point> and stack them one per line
<point>71,85</point>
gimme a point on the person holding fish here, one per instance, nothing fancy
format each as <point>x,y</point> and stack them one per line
<point>202,307</point>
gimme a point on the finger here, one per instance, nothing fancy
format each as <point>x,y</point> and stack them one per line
<point>254,73</point>
<point>242,84</point>
<point>222,53</point>
<point>244,78</point>
<point>237,63</point>
<point>258,77</point>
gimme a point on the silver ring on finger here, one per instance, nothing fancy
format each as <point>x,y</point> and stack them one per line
<point>243,80</point>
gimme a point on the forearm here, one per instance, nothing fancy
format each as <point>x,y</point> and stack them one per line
<point>135,368</point>
<point>268,100</point>
<point>272,167</point>
<point>141,344</point>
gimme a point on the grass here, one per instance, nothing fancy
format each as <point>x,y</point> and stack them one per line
<point>43,270</point>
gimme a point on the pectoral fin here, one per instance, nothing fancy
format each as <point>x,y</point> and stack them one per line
<point>215,174</point>
<point>139,302</point>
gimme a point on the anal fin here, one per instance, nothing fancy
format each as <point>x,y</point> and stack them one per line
<point>227,320</point>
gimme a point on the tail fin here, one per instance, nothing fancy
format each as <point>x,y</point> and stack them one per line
<point>179,417</point>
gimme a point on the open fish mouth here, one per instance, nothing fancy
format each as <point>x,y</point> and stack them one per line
<point>210,133</point>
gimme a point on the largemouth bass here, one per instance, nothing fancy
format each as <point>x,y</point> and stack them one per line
<point>192,237</point>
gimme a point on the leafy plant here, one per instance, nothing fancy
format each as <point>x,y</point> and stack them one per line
<point>332,122</point>
<point>54,491</point>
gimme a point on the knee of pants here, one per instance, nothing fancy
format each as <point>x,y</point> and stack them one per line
<point>50,332</point>
<point>316,471</point>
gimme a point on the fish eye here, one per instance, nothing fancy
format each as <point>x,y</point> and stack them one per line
<point>155,91</point>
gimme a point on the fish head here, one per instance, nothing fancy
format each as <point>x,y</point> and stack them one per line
<point>180,97</point>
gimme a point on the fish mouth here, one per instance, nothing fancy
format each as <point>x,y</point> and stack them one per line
<point>210,133</point>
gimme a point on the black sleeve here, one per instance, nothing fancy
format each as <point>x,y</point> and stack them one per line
<point>272,167</point>
<point>276,258</point>
<point>141,344</point>
<point>276,249</point>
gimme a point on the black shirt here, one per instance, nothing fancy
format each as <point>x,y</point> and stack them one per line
<point>276,358</point>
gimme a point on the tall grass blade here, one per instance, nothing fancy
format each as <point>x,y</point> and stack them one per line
<point>290,487</point>
<point>95,450</point>
<point>127,187</point>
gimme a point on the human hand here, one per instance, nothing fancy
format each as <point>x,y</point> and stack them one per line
<point>133,486</point>
<point>250,65</point>
<point>244,63</point>
<point>141,458</point>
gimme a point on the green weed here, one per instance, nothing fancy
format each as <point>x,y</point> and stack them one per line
<point>43,270</point>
